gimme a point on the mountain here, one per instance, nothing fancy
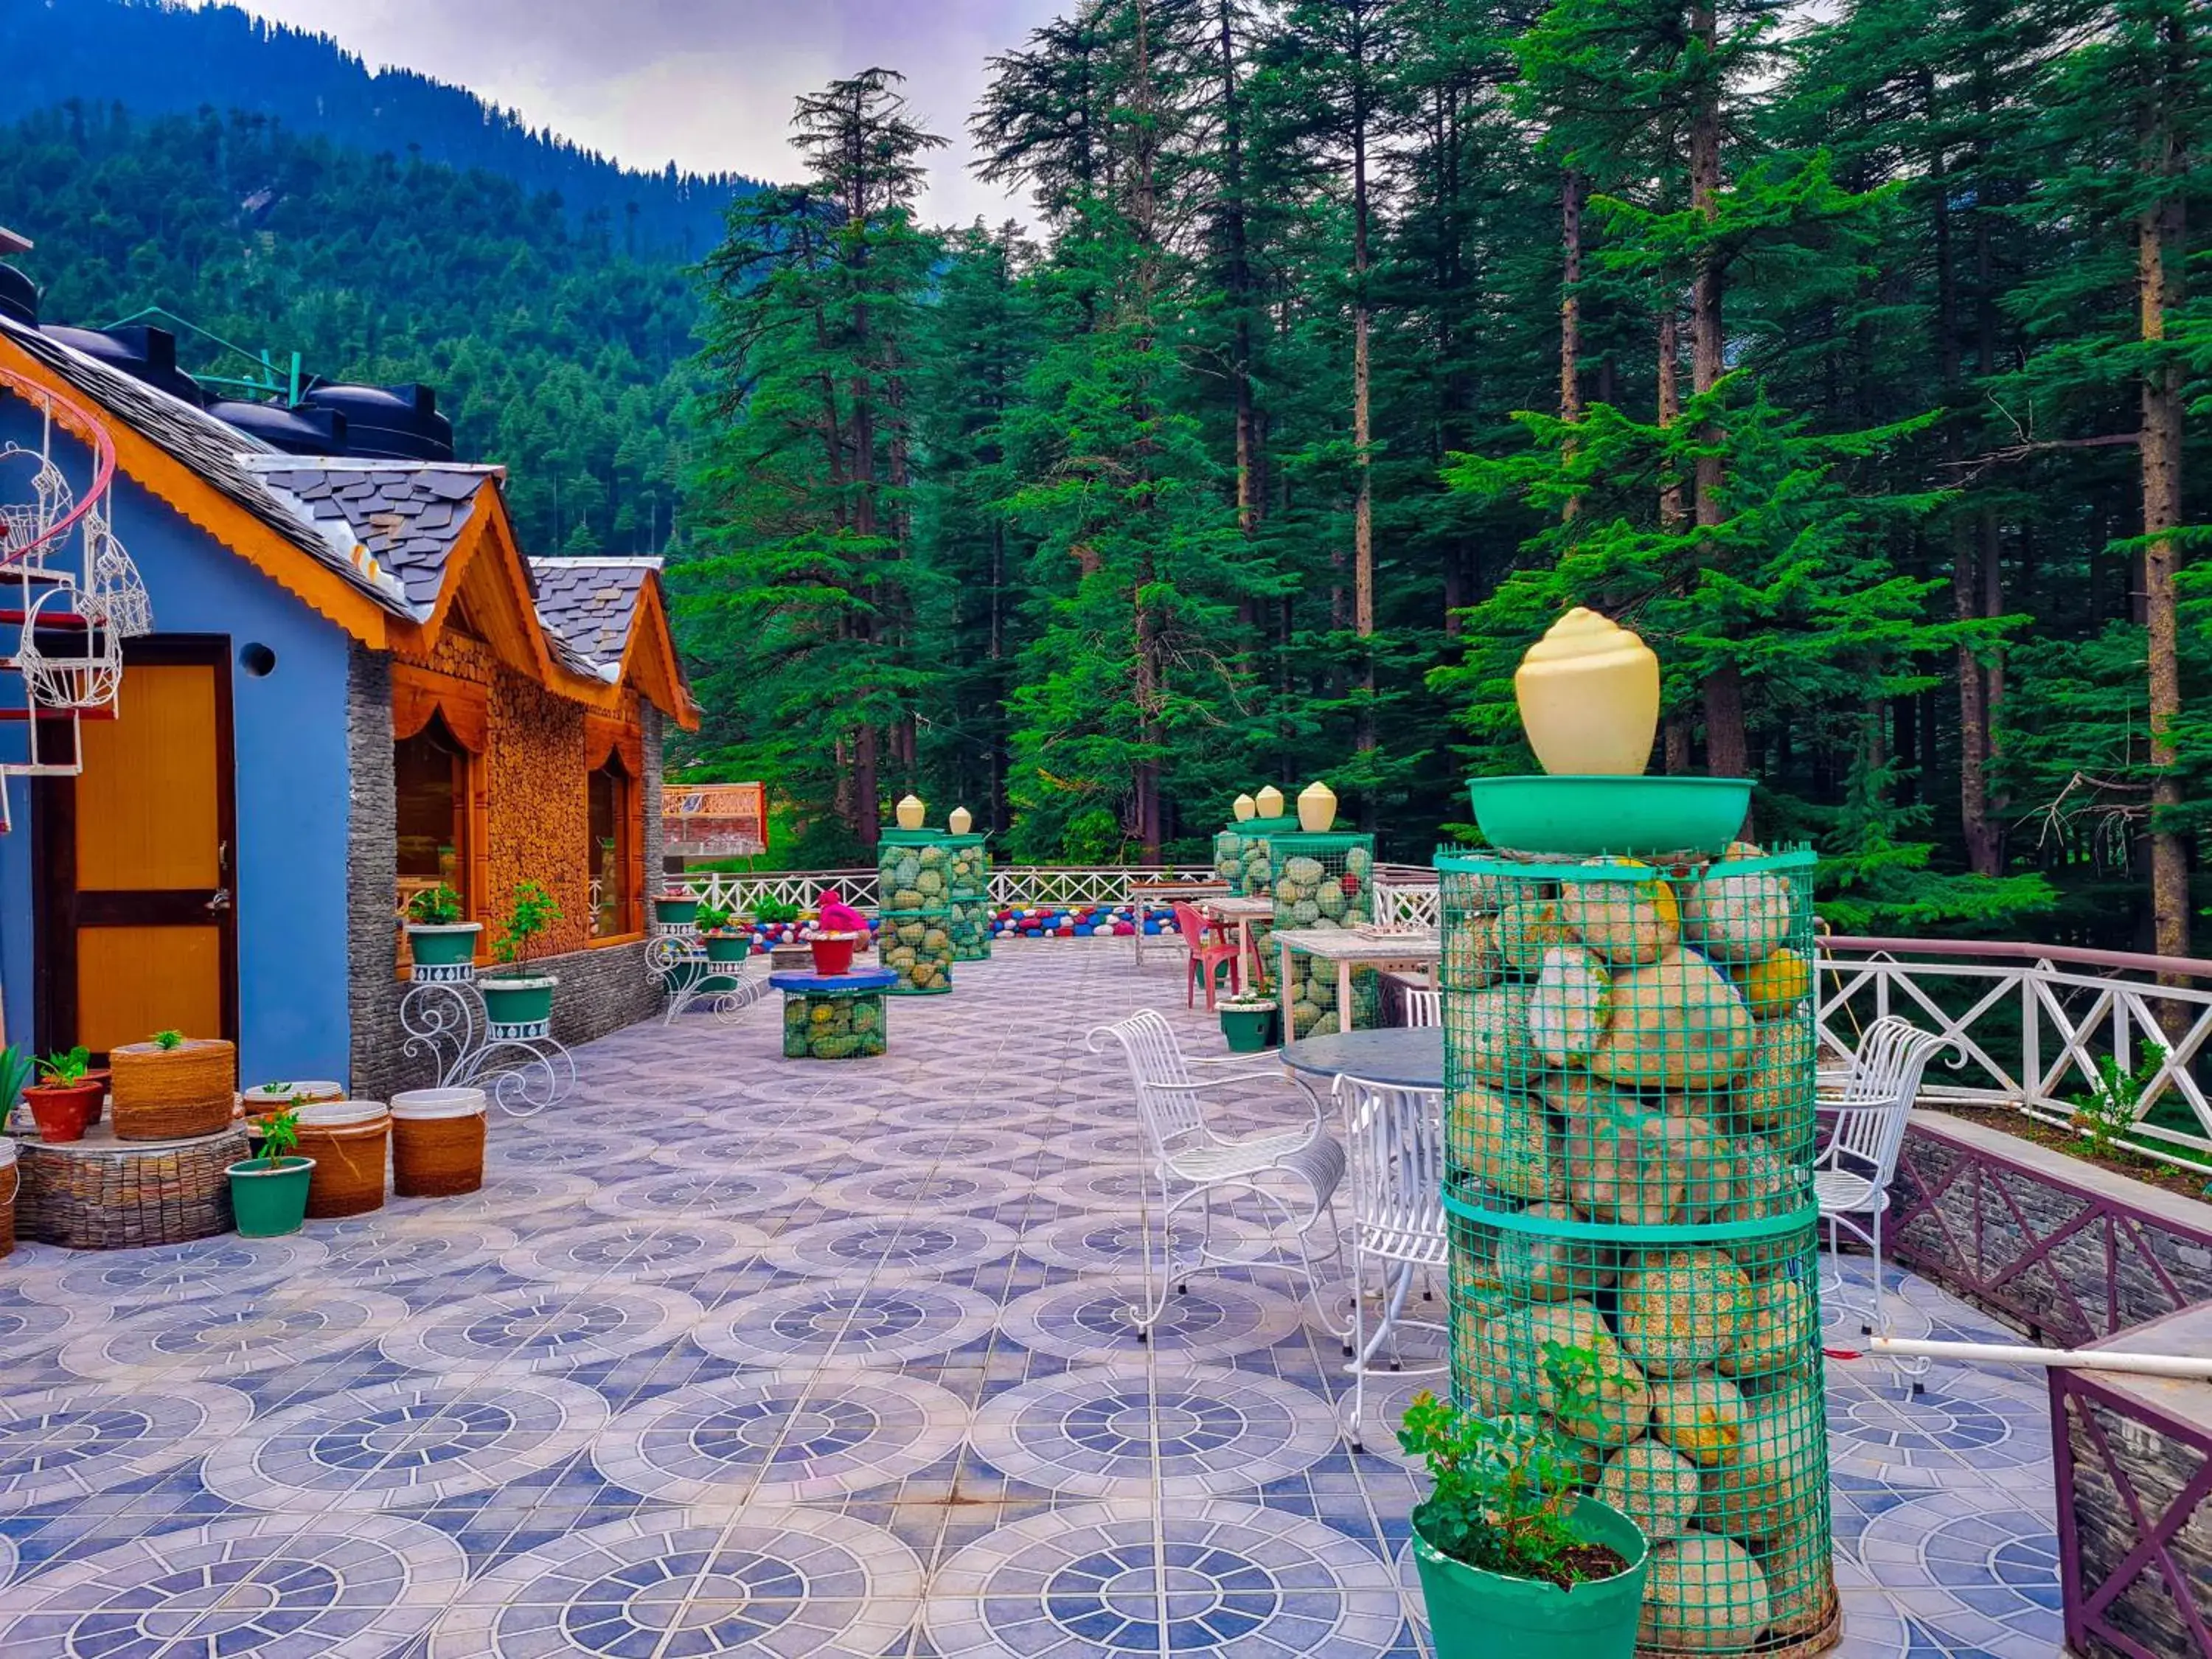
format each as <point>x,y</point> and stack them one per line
<point>155,57</point>
<point>554,350</point>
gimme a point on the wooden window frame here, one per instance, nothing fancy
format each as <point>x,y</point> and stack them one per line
<point>465,708</point>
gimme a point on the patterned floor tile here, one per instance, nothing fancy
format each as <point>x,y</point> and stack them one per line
<point>962,1148</point>
<point>880,1323</point>
<point>927,1191</point>
<point>770,1147</point>
<point>1980,1573</point>
<point>851,1248</point>
<point>27,1328</point>
<point>124,1280</point>
<point>646,1250</point>
<point>679,1195</point>
<point>782,1437</point>
<point>61,1443</point>
<point>405,1444</point>
<point>385,1252</point>
<point>542,1327</point>
<point>1120,1431</point>
<point>356,1588</point>
<point>1125,1577</point>
<point>787,1583</point>
<point>1094,1319</point>
<point>231,1335</point>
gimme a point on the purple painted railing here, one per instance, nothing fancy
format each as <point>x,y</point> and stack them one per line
<point>2071,1263</point>
<point>2135,1524</point>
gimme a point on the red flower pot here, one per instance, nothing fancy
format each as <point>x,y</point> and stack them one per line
<point>62,1111</point>
<point>833,952</point>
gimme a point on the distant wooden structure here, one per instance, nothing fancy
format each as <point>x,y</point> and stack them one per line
<point>712,820</point>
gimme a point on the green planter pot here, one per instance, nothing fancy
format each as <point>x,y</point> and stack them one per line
<point>1477,1614</point>
<point>518,1001</point>
<point>444,947</point>
<point>269,1200</point>
<point>728,947</point>
<point>676,912</point>
<point>1249,1030</point>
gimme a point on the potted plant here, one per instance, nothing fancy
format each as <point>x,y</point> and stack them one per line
<point>16,1074</point>
<point>676,908</point>
<point>436,935</point>
<point>516,996</point>
<point>1248,1020</point>
<point>269,1191</point>
<point>1513,1565</point>
<point>63,1099</point>
<point>728,936</point>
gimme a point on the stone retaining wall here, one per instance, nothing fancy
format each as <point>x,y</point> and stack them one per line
<point>2064,1250</point>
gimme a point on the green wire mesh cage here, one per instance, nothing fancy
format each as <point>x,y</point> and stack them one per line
<point>970,877</point>
<point>819,1026</point>
<point>1242,856</point>
<point>1628,1124</point>
<point>914,900</point>
<point>1321,882</point>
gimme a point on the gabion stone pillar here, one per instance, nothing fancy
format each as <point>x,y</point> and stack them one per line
<point>1630,1126</point>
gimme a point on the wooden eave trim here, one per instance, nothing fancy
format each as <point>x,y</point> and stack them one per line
<point>162,475</point>
<point>650,632</point>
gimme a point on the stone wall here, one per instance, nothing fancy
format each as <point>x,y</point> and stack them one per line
<point>2064,1250</point>
<point>371,873</point>
<point>2130,1507</point>
<point>535,811</point>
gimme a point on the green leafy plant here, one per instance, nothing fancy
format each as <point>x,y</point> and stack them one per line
<point>15,1073</point>
<point>280,1138</point>
<point>1500,1500</point>
<point>531,913</point>
<point>169,1040</point>
<point>58,1071</point>
<point>712,918</point>
<point>434,906</point>
<point>775,912</point>
<point>2115,1098</point>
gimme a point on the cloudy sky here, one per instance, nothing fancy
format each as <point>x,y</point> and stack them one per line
<point>706,83</point>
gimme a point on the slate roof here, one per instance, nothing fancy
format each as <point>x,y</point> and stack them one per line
<point>217,451</point>
<point>591,605</point>
<point>408,514</point>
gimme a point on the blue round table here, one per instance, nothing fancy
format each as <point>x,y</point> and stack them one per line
<point>1405,1057</point>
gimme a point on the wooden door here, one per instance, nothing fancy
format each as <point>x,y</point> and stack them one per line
<point>139,923</point>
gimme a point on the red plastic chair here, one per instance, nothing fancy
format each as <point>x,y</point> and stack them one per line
<point>1206,955</point>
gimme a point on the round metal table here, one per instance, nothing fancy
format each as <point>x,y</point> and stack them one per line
<point>1405,1057</point>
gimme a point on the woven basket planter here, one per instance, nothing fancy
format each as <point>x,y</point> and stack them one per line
<point>266,1098</point>
<point>11,1182</point>
<point>103,1194</point>
<point>437,1142</point>
<point>350,1157</point>
<point>171,1094</point>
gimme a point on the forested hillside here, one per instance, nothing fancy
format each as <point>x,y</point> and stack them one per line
<point>555,351</point>
<point>1853,360</point>
<point>158,59</point>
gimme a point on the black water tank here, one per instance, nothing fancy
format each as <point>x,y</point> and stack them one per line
<point>294,431</point>
<point>388,422</point>
<point>142,353</point>
<point>19,297</point>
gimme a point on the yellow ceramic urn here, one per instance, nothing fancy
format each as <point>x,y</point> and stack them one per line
<point>911,812</point>
<point>961,821</point>
<point>1588,692</point>
<point>1270,802</point>
<point>1317,807</point>
<point>1246,808</point>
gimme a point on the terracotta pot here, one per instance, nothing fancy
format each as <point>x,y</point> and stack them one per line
<point>61,1109</point>
<point>833,952</point>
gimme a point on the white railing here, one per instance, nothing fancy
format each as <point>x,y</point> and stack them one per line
<point>1402,900</point>
<point>2033,1022</point>
<point>1041,885</point>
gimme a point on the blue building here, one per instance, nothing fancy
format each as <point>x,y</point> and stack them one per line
<point>354,685</point>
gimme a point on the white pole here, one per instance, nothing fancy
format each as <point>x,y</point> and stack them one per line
<point>2198,1366</point>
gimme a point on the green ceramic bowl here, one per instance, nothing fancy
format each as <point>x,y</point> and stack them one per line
<point>1587,816</point>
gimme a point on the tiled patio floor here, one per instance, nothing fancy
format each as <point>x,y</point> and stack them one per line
<point>734,1355</point>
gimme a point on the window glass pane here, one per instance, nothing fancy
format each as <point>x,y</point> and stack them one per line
<point>430,772</point>
<point>606,792</point>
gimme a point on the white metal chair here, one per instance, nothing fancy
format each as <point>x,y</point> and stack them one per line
<point>1424,1005</point>
<point>1852,1172</point>
<point>1191,1161</point>
<point>1393,1141</point>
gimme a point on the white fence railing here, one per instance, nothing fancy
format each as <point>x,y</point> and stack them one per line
<point>2034,1023</point>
